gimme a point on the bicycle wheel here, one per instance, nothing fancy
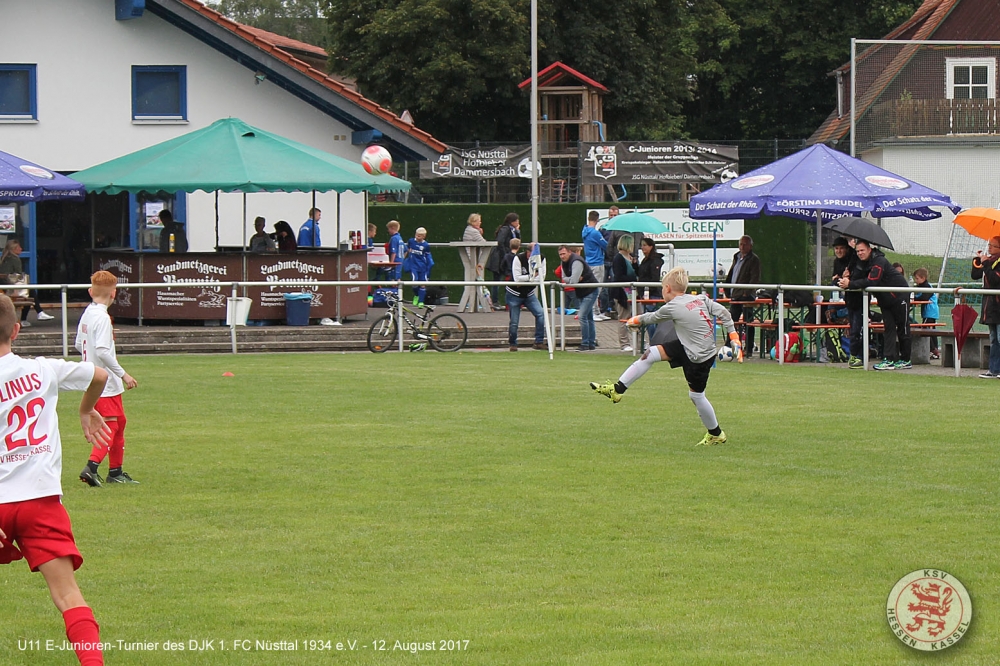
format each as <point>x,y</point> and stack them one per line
<point>447,332</point>
<point>382,333</point>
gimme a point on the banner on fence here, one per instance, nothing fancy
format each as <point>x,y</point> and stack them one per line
<point>485,162</point>
<point>680,227</point>
<point>644,162</point>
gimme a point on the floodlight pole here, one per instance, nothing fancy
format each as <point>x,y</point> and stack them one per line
<point>535,161</point>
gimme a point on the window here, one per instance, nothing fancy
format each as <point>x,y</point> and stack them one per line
<point>159,93</point>
<point>17,92</point>
<point>971,78</point>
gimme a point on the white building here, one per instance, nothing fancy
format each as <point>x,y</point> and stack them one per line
<point>86,81</point>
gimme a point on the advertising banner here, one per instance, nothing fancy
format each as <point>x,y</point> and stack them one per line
<point>680,226</point>
<point>494,162</point>
<point>644,162</point>
<point>175,301</point>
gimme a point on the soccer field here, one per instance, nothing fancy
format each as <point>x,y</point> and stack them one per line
<point>494,501</point>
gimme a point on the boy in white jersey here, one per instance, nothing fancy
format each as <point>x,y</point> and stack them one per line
<point>31,512</point>
<point>685,336</point>
<point>96,342</point>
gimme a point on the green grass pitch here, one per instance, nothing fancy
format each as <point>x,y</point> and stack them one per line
<point>494,499</point>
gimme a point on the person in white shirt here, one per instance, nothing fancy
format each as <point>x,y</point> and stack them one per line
<point>96,343</point>
<point>34,525</point>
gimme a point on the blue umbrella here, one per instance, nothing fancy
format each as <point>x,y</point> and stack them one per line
<point>822,184</point>
<point>23,181</point>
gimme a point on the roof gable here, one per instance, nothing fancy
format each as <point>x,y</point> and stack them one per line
<point>923,25</point>
<point>261,50</point>
<point>559,74</point>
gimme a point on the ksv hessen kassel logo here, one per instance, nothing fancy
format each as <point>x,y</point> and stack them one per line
<point>929,609</point>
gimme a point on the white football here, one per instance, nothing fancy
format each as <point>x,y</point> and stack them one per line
<point>725,354</point>
<point>376,160</point>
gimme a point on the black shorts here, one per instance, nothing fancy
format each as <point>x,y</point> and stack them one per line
<point>696,374</point>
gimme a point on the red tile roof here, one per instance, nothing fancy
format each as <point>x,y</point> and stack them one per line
<point>257,38</point>
<point>922,25</point>
<point>556,73</point>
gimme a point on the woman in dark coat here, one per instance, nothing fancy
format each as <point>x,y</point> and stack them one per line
<point>285,237</point>
<point>511,228</point>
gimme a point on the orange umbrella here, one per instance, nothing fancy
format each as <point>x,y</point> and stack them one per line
<point>980,222</point>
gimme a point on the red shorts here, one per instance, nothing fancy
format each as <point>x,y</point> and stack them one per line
<point>110,406</point>
<point>42,531</point>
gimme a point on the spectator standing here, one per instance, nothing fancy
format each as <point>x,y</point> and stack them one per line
<point>418,263</point>
<point>929,311</point>
<point>522,291</point>
<point>397,249</point>
<point>649,270</point>
<point>624,267</point>
<point>309,231</point>
<point>284,237</point>
<point>594,245</point>
<point>171,227</point>
<point>372,230</point>
<point>508,229</point>
<point>610,252</point>
<point>845,261</point>
<point>575,271</point>
<point>874,270</point>
<point>745,270</point>
<point>986,267</point>
<point>260,241</point>
<point>474,234</point>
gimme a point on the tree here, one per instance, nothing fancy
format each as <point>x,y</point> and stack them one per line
<point>638,49</point>
<point>298,19</point>
<point>454,64</point>
<point>763,65</point>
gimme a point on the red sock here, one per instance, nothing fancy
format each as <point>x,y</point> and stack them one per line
<point>83,632</point>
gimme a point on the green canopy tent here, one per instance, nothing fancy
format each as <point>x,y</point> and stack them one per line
<point>231,156</point>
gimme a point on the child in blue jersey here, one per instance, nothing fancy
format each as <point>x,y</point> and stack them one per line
<point>397,248</point>
<point>929,311</point>
<point>419,262</point>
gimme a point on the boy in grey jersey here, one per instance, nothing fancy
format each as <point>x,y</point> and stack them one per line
<point>685,336</point>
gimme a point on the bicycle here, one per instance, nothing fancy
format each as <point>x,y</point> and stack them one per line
<point>445,332</point>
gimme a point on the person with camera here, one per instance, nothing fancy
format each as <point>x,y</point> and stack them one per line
<point>986,267</point>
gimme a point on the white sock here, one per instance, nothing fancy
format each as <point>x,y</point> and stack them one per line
<point>705,409</point>
<point>640,367</point>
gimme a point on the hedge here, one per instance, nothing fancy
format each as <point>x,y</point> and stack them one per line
<point>783,244</point>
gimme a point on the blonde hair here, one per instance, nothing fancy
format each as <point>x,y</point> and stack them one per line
<point>515,245</point>
<point>626,243</point>
<point>8,249</point>
<point>676,279</point>
<point>392,226</point>
<point>8,317</point>
<point>420,232</point>
<point>475,217</point>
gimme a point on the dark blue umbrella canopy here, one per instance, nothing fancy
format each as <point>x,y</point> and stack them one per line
<point>820,180</point>
<point>22,181</point>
